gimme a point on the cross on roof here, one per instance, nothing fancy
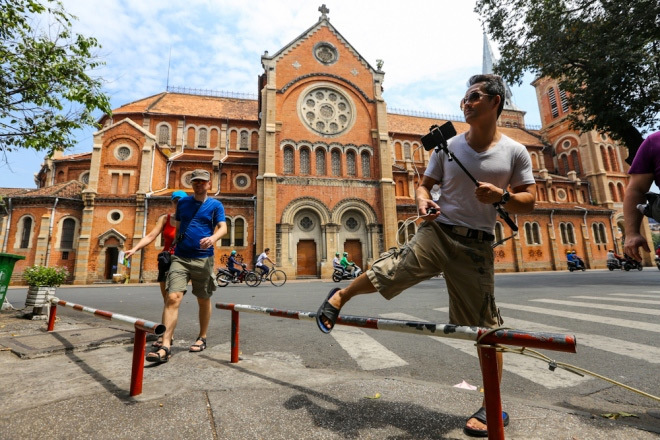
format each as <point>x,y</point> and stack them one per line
<point>324,11</point>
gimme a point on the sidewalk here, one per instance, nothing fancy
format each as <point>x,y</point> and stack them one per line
<point>74,384</point>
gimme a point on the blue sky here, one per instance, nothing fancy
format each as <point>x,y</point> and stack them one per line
<point>429,49</point>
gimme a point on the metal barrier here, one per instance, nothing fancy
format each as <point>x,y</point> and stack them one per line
<point>142,327</point>
<point>487,339</point>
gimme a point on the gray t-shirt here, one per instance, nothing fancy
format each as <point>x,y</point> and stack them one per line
<point>506,163</point>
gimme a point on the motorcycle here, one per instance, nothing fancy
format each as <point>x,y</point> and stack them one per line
<point>615,264</point>
<point>224,277</point>
<point>631,263</point>
<point>340,274</point>
<point>573,266</point>
<point>657,261</point>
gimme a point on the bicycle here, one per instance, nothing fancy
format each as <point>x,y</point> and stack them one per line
<point>276,277</point>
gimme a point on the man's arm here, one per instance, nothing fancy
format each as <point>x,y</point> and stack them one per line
<point>638,185</point>
<point>220,231</point>
<point>424,200</point>
<point>521,201</point>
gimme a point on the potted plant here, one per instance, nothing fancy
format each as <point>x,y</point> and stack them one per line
<point>42,282</point>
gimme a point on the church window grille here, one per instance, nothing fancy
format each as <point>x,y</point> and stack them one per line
<point>320,162</point>
<point>25,233</point>
<point>567,233</point>
<point>564,161</point>
<point>563,100</point>
<point>304,161</point>
<point>352,224</point>
<point>350,163</point>
<point>576,162</point>
<point>164,135</point>
<point>203,138</point>
<point>306,223</point>
<point>366,164</point>
<point>244,140</point>
<point>532,233</point>
<point>553,102</point>
<point>239,232</point>
<point>68,229</point>
<point>288,160</point>
<point>84,177</point>
<point>336,163</point>
<point>406,151</point>
<point>123,153</point>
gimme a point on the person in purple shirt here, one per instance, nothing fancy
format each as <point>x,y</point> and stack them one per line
<point>644,170</point>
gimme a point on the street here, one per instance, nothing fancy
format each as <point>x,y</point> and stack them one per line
<point>613,314</point>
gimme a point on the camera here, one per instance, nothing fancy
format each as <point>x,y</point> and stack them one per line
<point>438,136</point>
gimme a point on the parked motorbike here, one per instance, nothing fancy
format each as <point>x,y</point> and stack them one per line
<point>224,277</point>
<point>340,274</point>
<point>573,266</point>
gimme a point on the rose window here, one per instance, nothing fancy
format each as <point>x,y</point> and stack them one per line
<point>326,111</point>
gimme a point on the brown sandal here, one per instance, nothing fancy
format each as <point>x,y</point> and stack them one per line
<point>155,356</point>
<point>196,348</point>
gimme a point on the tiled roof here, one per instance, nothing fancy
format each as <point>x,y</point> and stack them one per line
<point>193,105</point>
<point>13,192</point>
<point>77,156</point>
<point>419,126</point>
<point>194,156</point>
<point>67,190</point>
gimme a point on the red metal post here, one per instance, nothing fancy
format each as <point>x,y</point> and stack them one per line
<point>137,369</point>
<point>234,337</point>
<point>490,375</point>
<point>51,317</point>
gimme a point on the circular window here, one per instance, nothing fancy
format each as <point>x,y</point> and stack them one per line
<point>326,53</point>
<point>306,223</point>
<point>567,144</point>
<point>561,194</point>
<point>115,216</point>
<point>326,110</point>
<point>123,152</point>
<point>185,180</point>
<point>84,178</point>
<point>352,224</point>
<point>241,181</point>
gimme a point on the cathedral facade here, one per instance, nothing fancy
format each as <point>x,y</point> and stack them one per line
<point>315,165</point>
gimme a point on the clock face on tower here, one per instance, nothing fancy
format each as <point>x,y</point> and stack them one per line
<point>326,110</point>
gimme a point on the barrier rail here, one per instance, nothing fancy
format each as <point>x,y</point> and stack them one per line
<point>487,339</point>
<point>142,327</point>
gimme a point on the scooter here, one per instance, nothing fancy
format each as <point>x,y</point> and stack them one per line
<point>615,264</point>
<point>340,274</point>
<point>224,277</point>
<point>573,266</point>
<point>657,261</point>
<point>631,263</point>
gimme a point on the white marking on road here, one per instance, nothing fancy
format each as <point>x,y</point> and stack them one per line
<point>530,369</point>
<point>634,295</point>
<point>628,300</point>
<point>637,325</point>
<point>600,306</point>
<point>365,350</point>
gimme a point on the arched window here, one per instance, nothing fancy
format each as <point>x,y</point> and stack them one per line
<point>304,161</point>
<point>164,134</point>
<point>563,100</point>
<point>613,162</point>
<point>239,232</point>
<point>564,163</point>
<point>605,157</point>
<point>499,232</point>
<point>567,233</point>
<point>335,157</point>
<point>320,162</point>
<point>203,138</point>
<point>244,141</point>
<point>532,233</point>
<point>601,233</point>
<point>401,234</point>
<point>406,151</point>
<point>613,194</point>
<point>288,160</point>
<point>226,240</point>
<point>350,163</point>
<point>576,161</point>
<point>366,164</point>
<point>68,231</point>
<point>553,102</point>
<point>621,191</point>
<point>26,232</point>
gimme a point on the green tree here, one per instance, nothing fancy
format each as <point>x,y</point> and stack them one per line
<point>46,91</point>
<point>604,53</point>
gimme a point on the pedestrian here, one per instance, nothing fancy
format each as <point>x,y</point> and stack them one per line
<point>457,238</point>
<point>260,262</point>
<point>644,171</point>
<point>200,222</point>
<point>166,227</point>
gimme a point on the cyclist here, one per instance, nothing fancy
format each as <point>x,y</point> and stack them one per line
<point>260,262</point>
<point>232,263</point>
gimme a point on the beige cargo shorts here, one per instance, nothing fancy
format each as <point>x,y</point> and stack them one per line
<point>199,271</point>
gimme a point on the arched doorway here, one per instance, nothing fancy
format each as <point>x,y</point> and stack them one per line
<point>354,249</point>
<point>306,259</point>
<point>111,258</point>
<point>306,233</point>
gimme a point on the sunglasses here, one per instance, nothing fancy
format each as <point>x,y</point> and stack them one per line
<point>473,97</point>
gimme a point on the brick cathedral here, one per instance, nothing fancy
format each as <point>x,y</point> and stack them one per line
<point>315,165</point>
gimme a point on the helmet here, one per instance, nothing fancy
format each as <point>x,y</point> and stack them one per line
<point>568,252</point>
<point>336,254</point>
<point>345,254</point>
<point>233,252</point>
<point>178,194</point>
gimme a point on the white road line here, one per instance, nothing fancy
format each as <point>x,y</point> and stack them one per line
<point>531,369</point>
<point>585,317</point>
<point>628,300</point>
<point>634,295</point>
<point>365,350</point>
<point>600,306</point>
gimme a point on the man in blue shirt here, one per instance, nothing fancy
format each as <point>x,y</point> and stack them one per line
<point>200,222</point>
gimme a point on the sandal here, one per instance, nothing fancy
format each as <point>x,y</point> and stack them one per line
<point>481,416</point>
<point>159,342</point>
<point>196,348</point>
<point>330,312</point>
<point>155,356</point>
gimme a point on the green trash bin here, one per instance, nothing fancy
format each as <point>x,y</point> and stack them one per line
<point>7,262</point>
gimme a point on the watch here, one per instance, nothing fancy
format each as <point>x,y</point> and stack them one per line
<point>505,197</point>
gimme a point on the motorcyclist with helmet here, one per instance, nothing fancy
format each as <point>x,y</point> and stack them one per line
<point>348,266</point>
<point>232,263</point>
<point>336,263</point>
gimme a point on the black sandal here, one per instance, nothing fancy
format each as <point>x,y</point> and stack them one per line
<point>196,348</point>
<point>481,416</point>
<point>155,356</point>
<point>327,310</point>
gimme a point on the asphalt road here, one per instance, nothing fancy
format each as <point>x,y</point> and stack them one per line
<point>614,315</point>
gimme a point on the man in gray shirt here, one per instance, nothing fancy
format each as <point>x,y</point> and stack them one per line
<point>457,237</point>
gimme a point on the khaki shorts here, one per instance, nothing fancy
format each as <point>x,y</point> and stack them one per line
<point>197,270</point>
<point>467,265</point>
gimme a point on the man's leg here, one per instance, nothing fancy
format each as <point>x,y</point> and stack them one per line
<point>205,309</point>
<point>472,422</point>
<point>170,319</point>
<point>358,286</point>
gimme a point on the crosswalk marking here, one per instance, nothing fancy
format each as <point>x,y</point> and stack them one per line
<point>643,311</point>
<point>634,295</point>
<point>530,369</point>
<point>365,350</point>
<point>584,317</point>
<point>603,298</point>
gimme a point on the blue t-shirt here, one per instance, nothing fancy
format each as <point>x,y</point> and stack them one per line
<point>210,213</point>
